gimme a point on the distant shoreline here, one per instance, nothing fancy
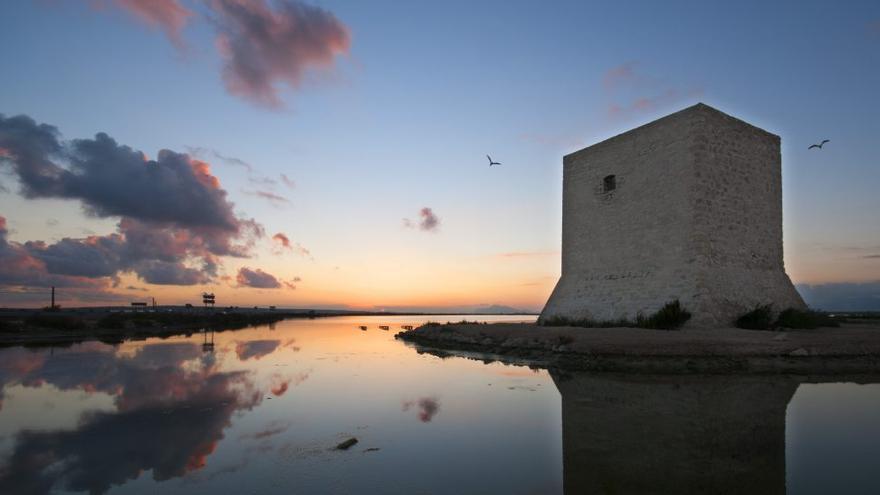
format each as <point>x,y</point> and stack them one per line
<point>115,324</point>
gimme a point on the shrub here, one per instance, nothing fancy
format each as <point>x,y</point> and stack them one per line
<point>760,318</point>
<point>809,319</point>
<point>671,316</point>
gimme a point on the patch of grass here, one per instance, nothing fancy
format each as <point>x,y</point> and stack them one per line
<point>562,321</point>
<point>112,321</point>
<point>55,322</point>
<point>671,316</point>
<point>760,318</point>
<point>809,319</point>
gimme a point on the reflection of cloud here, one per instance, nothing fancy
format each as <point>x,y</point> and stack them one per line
<point>169,417</point>
<point>280,384</point>
<point>428,407</point>
<point>270,431</point>
<point>291,344</point>
<point>255,348</point>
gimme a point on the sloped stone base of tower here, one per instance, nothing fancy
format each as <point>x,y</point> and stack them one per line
<point>714,299</point>
<point>728,293</point>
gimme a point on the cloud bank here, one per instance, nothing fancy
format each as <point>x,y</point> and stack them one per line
<point>175,220</point>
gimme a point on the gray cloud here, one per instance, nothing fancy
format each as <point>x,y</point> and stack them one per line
<point>175,218</point>
<point>114,180</point>
<point>256,278</point>
<point>264,48</point>
<point>429,220</point>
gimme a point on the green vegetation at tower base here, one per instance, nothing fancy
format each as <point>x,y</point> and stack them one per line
<point>670,317</point>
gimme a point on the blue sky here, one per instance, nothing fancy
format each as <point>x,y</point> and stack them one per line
<point>403,119</point>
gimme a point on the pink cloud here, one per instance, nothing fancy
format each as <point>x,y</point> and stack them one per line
<point>168,15</point>
<point>619,75</point>
<point>284,243</point>
<point>428,222</point>
<point>256,278</point>
<point>290,183</point>
<point>264,48</point>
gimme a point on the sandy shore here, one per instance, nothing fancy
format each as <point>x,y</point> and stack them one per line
<point>852,348</point>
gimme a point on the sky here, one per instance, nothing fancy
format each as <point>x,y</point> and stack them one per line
<point>358,131</point>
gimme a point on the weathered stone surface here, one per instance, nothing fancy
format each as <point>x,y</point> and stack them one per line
<point>696,215</point>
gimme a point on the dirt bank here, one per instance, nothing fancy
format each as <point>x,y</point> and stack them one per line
<point>848,349</point>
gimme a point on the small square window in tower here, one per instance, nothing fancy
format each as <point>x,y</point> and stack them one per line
<point>609,183</point>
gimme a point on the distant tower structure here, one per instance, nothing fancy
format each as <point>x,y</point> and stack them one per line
<point>687,207</point>
<point>52,305</point>
<point>208,298</point>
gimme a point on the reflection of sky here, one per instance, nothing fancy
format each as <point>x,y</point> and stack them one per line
<point>833,439</point>
<point>263,416</point>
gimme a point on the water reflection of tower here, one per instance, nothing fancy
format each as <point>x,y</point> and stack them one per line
<point>207,345</point>
<point>673,434</point>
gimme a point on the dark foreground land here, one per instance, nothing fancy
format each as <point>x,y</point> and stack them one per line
<point>33,327</point>
<point>850,348</point>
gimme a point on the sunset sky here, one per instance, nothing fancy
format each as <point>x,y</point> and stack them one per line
<point>333,153</point>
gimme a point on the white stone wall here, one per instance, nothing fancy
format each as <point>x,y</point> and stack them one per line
<point>696,216</point>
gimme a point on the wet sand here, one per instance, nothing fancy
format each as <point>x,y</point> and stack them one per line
<point>852,348</point>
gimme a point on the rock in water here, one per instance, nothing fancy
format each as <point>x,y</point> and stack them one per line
<point>347,444</point>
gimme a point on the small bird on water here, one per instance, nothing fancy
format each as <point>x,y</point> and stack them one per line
<point>491,162</point>
<point>819,145</point>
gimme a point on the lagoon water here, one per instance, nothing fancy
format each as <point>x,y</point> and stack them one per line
<point>263,408</point>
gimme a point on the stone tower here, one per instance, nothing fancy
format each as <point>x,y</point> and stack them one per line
<point>687,207</point>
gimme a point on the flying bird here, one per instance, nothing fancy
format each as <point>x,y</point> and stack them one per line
<point>491,162</point>
<point>819,145</point>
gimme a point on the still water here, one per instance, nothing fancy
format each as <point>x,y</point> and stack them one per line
<point>262,409</point>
